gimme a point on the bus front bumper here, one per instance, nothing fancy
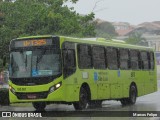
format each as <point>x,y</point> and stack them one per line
<point>51,94</point>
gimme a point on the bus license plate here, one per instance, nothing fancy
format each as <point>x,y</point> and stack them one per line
<point>31,96</point>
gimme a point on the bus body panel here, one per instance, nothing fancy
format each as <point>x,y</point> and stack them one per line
<point>103,84</point>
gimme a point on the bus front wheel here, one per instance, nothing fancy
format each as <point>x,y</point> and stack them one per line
<point>39,106</point>
<point>83,100</point>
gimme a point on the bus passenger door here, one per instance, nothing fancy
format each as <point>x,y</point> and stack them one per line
<point>69,72</point>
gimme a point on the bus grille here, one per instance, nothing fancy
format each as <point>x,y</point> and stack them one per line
<point>36,95</point>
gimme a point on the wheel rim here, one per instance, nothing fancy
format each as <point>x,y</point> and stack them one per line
<point>133,95</point>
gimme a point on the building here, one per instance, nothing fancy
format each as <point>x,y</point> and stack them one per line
<point>153,41</point>
<point>122,28</point>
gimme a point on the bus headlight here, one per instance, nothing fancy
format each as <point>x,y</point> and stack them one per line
<point>55,87</point>
<point>58,85</point>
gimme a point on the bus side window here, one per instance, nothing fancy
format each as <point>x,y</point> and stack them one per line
<point>84,56</point>
<point>98,57</point>
<point>69,62</point>
<point>124,59</point>
<point>112,58</point>
<point>134,60</point>
<point>144,60</point>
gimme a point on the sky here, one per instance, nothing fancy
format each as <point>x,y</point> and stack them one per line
<point>132,11</point>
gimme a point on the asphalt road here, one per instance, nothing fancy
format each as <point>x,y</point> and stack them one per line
<point>150,102</point>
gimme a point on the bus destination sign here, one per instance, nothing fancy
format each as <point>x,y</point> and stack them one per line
<point>33,42</point>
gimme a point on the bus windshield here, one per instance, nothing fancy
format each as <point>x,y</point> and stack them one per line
<point>36,63</point>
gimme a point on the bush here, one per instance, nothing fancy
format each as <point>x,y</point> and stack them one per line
<point>4,96</point>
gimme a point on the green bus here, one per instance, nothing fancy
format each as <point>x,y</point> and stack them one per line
<point>83,72</point>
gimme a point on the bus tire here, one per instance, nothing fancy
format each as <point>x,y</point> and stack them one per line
<point>132,95</point>
<point>83,100</point>
<point>39,106</point>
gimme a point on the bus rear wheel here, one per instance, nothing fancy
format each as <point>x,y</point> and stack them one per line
<point>132,95</point>
<point>83,100</point>
<point>39,106</point>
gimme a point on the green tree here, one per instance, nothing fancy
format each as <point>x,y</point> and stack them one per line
<point>32,17</point>
<point>136,39</point>
<point>105,29</point>
<point>1,65</point>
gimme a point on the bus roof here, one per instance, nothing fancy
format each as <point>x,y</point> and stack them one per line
<point>112,42</point>
<point>97,41</point>
<point>30,37</point>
